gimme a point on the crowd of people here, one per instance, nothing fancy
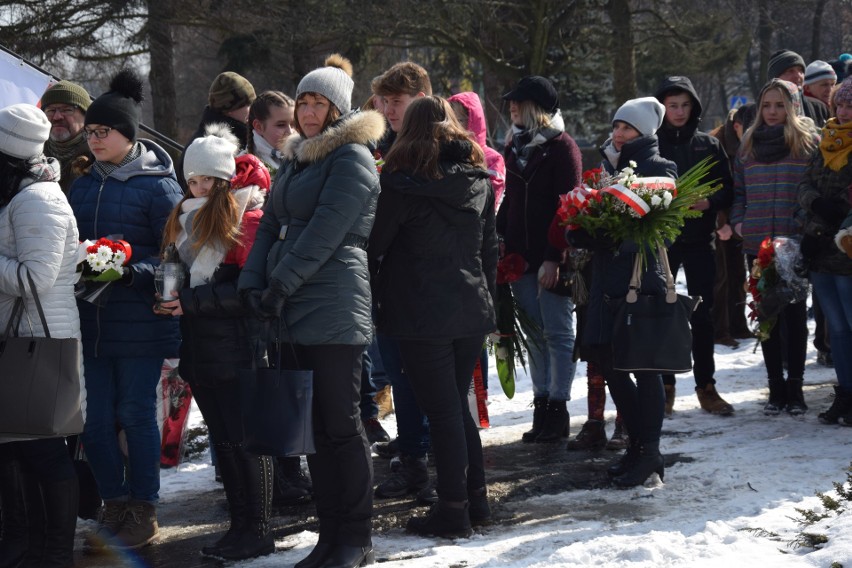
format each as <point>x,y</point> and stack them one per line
<point>342,240</point>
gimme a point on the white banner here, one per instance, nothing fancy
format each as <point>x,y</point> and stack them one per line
<point>19,82</point>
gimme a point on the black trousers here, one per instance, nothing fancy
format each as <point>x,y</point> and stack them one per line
<point>221,408</point>
<point>342,467</point>
<point>789,334</point>
<point>641,404</point>
<point>699,265</point>
<point>440,372</point>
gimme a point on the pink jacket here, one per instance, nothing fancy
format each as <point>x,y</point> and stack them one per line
<point>476,125</point>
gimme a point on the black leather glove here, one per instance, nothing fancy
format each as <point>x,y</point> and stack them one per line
<point>831,210</point>
<point>810,246</point>
<point>272,301</point>
<point>250,299</point>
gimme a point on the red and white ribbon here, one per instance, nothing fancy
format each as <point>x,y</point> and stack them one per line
<point>630,198</point>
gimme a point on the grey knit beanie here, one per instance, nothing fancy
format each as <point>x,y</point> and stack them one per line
<point>23,131</point>
<point>819,70</point>
<point>212,154</point>
<point>782,60</point>
<point>644,114</point>
<point>333,81</point>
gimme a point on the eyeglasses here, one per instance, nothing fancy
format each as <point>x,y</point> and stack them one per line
<point>65,111</point>
<point>96,132</point>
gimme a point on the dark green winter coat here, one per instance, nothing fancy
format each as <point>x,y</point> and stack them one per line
<point>820,181</point>
<point>325,195</point>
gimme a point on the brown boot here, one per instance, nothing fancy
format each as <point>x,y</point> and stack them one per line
<point>140,525</point>
<point>110,519</point>
<point>710,401</point>
<point>592,438</point>
<point>384,398</point>
<point>620,440</point>
<point>670,398</point>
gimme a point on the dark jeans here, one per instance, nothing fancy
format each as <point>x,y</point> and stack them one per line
<point>640,404</point>
<point>729,295</point>
<point>222,411</point>
<point>700,269</point>
<point>369,408</point>
<point>835,293</point>
<point>341,468</point>
<point>412,428</point>
<point>822,339</point>
<point>441,372</point>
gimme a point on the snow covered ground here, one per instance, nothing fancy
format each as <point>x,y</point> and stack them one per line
<point>732,505</point>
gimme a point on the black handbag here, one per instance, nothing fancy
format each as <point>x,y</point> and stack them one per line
<point>277,407</point>
<point>652,332</point>
<point>39,378</point>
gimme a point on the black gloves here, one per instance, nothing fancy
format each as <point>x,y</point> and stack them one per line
<point>832,210</point>
<point>264,305</point>
<point>810,246</point>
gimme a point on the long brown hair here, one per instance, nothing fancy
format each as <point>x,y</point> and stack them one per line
<point>428,122</point>
<point>799,131</point>
<point>217,221</point>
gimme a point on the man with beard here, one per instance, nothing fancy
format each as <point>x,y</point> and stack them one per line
<point>65,105</point>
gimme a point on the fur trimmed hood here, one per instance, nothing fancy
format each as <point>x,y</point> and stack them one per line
<point>357,127</point>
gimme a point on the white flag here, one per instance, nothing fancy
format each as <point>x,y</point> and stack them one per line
<point>19,82</point>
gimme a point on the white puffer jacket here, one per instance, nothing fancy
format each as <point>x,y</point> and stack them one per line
<point>39,232</point>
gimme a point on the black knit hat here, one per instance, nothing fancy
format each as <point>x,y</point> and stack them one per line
<point>120,107</point>
<point>536,89</point>
<point>782,60</point>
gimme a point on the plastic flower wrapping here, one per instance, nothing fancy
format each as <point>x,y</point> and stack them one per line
<point>625,207</point>
<point>774,283</point>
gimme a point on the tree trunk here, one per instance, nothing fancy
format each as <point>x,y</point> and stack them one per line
<point>622,50</point>
<point>816,29</point>
<point>764,34</point>
<point>162,73</point>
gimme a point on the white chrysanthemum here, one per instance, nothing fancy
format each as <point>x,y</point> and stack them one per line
<point>667,199</point>
<point>632,164</point>
<point>119,258</point>
<point>656,200</point>
<point>92,259</point>
<point>104,253</point>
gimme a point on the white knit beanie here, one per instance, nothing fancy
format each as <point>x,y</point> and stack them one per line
<point>644,114</point>
<point>334,82</point>
<point>819,70</point>
<point>23,131</point>
<point>212,154</point>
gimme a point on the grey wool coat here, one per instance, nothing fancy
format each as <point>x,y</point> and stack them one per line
<point>313,232</point>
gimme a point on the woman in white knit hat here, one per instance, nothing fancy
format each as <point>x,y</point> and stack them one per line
<point>308,267</point>
<point>38,242</point>
<point>213,228</point>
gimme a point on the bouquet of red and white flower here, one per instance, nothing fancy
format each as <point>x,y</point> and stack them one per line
<point>773,283</point>
<point>103,261</point>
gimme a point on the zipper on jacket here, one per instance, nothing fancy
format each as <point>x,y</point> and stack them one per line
<point>97,307</point>
<point>98,206</point>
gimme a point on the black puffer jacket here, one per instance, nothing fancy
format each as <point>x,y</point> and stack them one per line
<point>687,146</point>
<point>437,276</point>
<point>645,152</point>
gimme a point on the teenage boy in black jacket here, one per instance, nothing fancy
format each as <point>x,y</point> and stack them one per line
<point>682,142</point>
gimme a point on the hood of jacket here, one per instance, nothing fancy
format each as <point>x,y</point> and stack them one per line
<point>154,161</point>
<point>685,132</point>
<point>356,127</point>
<point>475,115</point>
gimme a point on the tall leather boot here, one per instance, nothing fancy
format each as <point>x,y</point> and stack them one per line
<point>60,499</point>
<point>777,397</point>
<point>795,398</point>
<point>555,422</point>
<point>539,411</point>
<point>35,522</point>
<point>255,539</point>
<point>229,457</point>
<point>648,461</point>
<point>14,535</point>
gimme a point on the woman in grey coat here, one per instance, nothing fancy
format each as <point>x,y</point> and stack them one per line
<point>38,241</point>
<point>308,266</point>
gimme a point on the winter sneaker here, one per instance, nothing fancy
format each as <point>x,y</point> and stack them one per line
<point>795,398</point>
<point>411,478</point>
<point>670,398</point>
<point>478,509</point>
<point>384,400</point>
<point>139,527</point>
<point>710,401</point>
<point>777,398</point>
<point>620,440</point>
<point>429,494</point>
<point>591,438</point>
<point>387,450</point>
<point>375,432</point>
<point>841,407</point>
<point>446,519</point>
<point>110,519</point>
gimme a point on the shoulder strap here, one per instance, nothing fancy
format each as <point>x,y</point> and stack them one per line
<point>35,298</point>
<point>636,277</point>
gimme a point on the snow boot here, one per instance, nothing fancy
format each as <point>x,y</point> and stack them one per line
<point>620,440</point>
<point>229,457</point>
<point>648,461</point>
<point>625,462</point>
<point>591,438</point>
<point>410,478</point>
<point>60,500</point>
<point>110,519</point>
<point>446,519</point>
<point>478,509</point>
<point>13,533</point>
<point>841,406</point>
<point>711,402</point>
<point>795,398</point>
<point>777,397</point>
<point>255,539</point>
<point>539,411</point>
<point>139,527</point>
<point>556,421</point>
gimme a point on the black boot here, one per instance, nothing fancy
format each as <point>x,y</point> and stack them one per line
<point>626,462</point>
<point>13,534</point>
<point>840,407</point>
<point>446,519</point>
<point>410,478</point>
<point>349,556</point>
<point>35,522</point>
<point>229,457</point>
<point>317,556</point>
<point>478,509</point>
<point>539,411</point>
<point>555,422</point>
<point>255,539</point>
<point>777,397</point>
<point>795,398</point>
<point>647,462</point>
<point>60,499</point>
<point>291,486</point>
